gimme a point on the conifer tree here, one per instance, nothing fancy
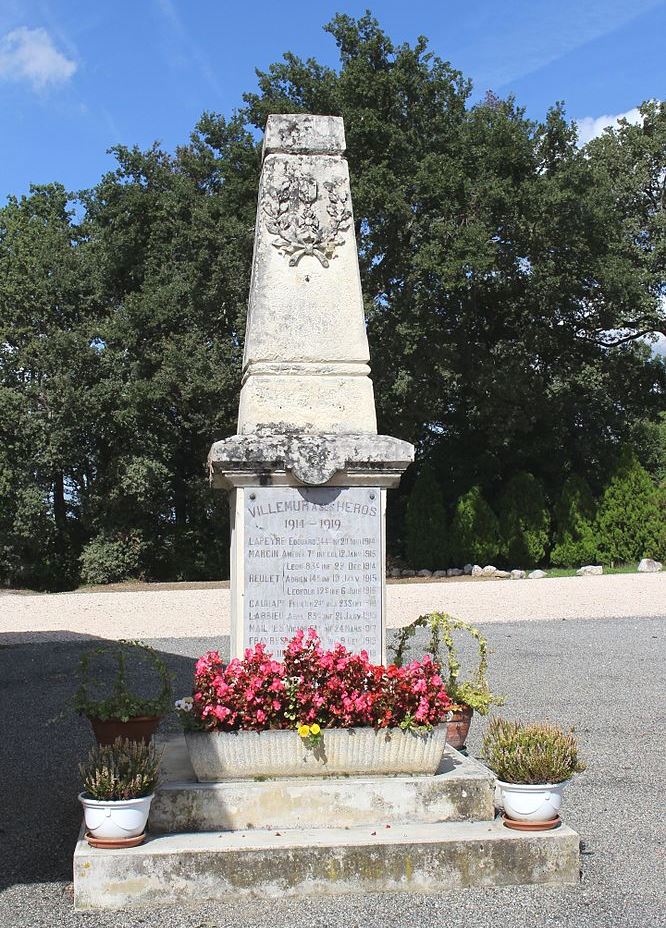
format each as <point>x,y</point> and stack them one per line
<point>629,523</point>
<point>426,523</point>
<point>574,539</point>
<point>474,534</point>
<point>524,521</point>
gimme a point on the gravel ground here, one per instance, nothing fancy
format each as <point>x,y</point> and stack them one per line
<point>605,677</point>
<point>187,612</point>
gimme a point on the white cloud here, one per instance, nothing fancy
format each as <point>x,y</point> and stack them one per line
<point>590,127</point>
<point>30,55</point>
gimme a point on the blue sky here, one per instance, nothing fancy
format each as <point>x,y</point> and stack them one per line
<point>77,76</point>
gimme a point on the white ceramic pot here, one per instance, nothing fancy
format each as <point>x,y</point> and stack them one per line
<point>527,802</point>
<point>120,818</point>
<point>242,755</point>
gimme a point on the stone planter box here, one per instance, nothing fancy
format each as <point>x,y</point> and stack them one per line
<point>243,755</point>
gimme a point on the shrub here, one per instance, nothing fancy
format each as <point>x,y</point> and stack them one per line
<point>122,770</point>
<point>629,523</point>
<point>524,521</point>
<point>425,523</point>
<point>332,689</point>
<point>112,560</point>
<point>474,533</point>
<point>538,753</point>
<point>574,540</point>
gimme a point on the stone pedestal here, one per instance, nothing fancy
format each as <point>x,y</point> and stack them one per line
<point>307,473</point>
<point>277,838</point>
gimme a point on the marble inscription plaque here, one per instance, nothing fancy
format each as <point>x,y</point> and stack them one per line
<point>313,557</point>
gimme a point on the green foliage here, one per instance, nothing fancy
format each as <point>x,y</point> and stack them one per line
<point>630,522</point>
<point>574,538</point>
<point>481,234</point>
<point>524,521</point>
<point>474,536</point>
<point>536,754</point>
<point>111,560</point>
<point>116,697</point>
<point>122,770</point>
<point>474,692</point>
<point>425,523</point>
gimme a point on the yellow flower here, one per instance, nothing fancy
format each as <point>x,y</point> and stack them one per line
<point>304,730</point>
<point>314,729</point>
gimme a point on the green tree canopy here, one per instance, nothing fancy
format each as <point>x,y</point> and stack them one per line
<point>574,542</point>
<point>524,521</point>
<point>425,523</point>
<point>629,523</point>
<point>509,278</point>
<point>474,536</point>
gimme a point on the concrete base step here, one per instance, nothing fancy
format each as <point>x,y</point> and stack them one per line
<point>463,790</point>
<point>194,867</point>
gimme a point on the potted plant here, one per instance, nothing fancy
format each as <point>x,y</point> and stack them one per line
<point>113,707</point>
<point>119,783</point>
<point>533,764</point>
<point>314,713</point>
<point>467,696</point>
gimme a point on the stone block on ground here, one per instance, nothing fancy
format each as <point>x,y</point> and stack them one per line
<point>454,572</point>
<point>467,570</point>
<point>462,790</point>
<point>408,573</point>
<point>477,571</point>
<point>187,868</point>
<point>590,570</point>
<point>424,573</point>
<point>649,566</point>
<point>440,573</point>
<point>518,574</point>
<point>536,575</point>
<point>503,574</point>
<point>489,570</point>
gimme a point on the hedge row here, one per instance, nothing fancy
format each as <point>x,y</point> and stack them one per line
<point>524,529</point>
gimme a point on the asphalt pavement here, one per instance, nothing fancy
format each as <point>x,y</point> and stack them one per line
<point>606,678</point>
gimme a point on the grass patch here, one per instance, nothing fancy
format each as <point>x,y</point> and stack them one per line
<point>571,571</point>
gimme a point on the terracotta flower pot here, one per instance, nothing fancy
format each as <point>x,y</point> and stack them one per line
<point>139,728</point>
<point>458,726</point>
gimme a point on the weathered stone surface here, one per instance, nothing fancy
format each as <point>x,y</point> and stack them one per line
<point>518,574</point>
<point>467,569</point>
<point>395,572</point>
<point>648,566</point>
<point>454,572</point>
<point>590,570</point>
<point>536,575</point>
<point>408,573</point>
<point>424,573</point>
<point>503,574</point>
<point>477,571</point>
<point>440,573</point>
<point>462,790</point>
<point>312,557</point>
<point>263,456</point>
<point>183,868</point>
<point>303,134</point>
<point>489,571</point>
<point>305,362</point>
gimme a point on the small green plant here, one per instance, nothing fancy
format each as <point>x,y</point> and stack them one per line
<point>537,753</point>
<point>122,770</point>
<point>121,702</point>
<point>474,692</point>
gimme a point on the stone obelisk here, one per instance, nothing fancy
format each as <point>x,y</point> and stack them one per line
<point>307,472</point>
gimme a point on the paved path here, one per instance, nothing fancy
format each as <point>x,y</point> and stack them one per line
<point>604,677</point>
<point>188,613</point>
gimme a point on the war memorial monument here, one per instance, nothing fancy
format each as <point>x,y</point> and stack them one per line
<point>307,476</point>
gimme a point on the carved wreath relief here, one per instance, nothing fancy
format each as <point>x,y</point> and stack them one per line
<point>292,218</point>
